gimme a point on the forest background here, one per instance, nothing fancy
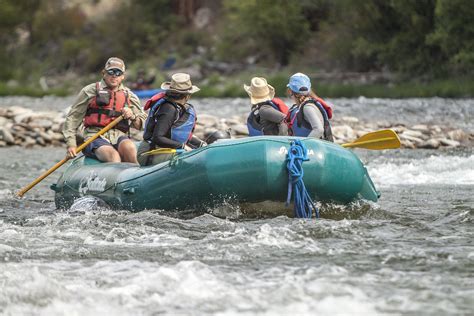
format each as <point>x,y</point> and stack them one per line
<point>375,48</point>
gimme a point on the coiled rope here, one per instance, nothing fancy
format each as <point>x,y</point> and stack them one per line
<point>303,204</point>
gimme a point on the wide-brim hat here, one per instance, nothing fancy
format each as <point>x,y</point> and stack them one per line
<point>180,83</point>
<point>259,90</point>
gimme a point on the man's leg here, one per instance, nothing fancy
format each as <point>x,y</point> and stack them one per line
<point>107,154</point>
<point>128,151</point>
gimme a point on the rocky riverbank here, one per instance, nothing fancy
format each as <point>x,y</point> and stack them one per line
<point>28,128</point>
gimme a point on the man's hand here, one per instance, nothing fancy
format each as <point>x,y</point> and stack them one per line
<point>187,148</point>
<point>71,152</point>
<point>128,114</point>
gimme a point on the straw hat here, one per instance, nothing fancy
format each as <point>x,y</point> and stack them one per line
<point>180,83</point>
<point>259,90</point>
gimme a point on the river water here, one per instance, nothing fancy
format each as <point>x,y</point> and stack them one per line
<point>410,253</point>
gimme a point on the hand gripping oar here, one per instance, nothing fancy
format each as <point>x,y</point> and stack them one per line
<point>384,139</point>
<point>62,162</point>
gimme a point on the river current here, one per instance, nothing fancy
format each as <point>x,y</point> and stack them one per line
<point>410,253</point>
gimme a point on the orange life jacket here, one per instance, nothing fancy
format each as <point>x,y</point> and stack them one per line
<point>105,107</point>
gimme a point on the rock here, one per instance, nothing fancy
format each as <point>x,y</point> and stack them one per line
<point>458,135</point>
<point>29,142</point>
<point>420,127</point>
<point>430,144</point>
<point>240,129</point>
<point>344,132</point>
<point>414,140</point>
<point>3,112</point>
<point>6,136</point>
<point>40,141</point>
<point>436,129</point>
<point>2,143</point>
<point>207,120</point>
<point>42,123</point>
<point>3,121</point>
<point>412,133</point>
<point>407,144</point>
<point>449,142</point>
<point>46,136</point>
<point>17,110</point>
<point>350,119</point>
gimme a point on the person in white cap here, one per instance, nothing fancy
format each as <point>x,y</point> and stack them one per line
<point>267,115</point>
<point>309,116</point>
<point>97,105</point>
<point>171,120</point>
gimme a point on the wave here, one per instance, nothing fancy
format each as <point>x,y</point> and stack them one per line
<point>445,170</point>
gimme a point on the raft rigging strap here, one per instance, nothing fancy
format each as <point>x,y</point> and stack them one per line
<point>303,204</point>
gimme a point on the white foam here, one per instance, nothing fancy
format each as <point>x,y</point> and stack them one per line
<point>445,170</point>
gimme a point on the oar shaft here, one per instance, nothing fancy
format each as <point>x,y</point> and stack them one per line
<point>62,162</point>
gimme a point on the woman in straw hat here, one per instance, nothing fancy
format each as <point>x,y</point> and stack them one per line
<point>309,116</point>
<point>267,115</point>
<point>171,120</point>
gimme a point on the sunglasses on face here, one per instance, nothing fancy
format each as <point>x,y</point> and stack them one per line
<point>114,72</point>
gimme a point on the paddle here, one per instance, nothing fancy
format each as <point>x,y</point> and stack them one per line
<point>62,162</point>
<point>163,151</point>
<point>384,139</point>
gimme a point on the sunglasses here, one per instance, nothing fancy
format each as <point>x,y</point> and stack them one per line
<point>115,72</point>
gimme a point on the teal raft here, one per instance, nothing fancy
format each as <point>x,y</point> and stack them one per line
<point>246,170</point>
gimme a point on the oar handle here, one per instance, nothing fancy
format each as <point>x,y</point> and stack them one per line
<point>62,162</point>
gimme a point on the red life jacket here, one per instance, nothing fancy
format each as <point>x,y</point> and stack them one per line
<point>153,99</point>
<point>282,107</point>
<point>100,113</point>
<point>326,106</point>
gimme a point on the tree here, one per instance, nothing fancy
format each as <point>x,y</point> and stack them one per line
<point>276,28</point>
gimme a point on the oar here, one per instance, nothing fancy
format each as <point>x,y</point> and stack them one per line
<point>163,151</point>
<point>62,162</point>
<point>384,139</point>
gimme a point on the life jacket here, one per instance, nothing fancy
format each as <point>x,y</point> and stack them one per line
<point>183,126</point>
<point>253,121</point>
<point>298,126</point>
<point>105,107</point>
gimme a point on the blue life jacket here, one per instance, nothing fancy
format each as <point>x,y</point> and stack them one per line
<point>253,121</point>
<point>300,127</point>
<point>182,128</point>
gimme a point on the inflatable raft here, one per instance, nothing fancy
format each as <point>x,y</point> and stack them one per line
<point>246,170</point>
<point>145,94</point>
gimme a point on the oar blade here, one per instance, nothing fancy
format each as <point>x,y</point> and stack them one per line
<point>379,140</point>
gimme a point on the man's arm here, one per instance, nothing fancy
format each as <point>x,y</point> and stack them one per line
<point>140,116</point>
<point>75,117</point>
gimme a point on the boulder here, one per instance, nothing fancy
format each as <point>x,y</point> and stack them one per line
<point>240,129</point>
<point>449,142</point>
<point>6,136</point>
<point>458,135</point>
<point>430,144</point>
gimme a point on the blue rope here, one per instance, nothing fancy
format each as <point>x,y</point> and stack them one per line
<point>303,205</point>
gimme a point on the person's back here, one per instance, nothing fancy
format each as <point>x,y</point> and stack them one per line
<point>309,116</point>
<point>171,121</point>
<point>267,115</point>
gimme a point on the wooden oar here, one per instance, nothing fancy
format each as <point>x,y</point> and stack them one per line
<point>62,162</point>
<point>384,139</point>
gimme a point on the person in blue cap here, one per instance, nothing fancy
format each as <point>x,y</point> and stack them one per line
<point>309,116</point>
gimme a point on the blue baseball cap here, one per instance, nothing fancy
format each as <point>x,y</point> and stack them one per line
<point>299,83</point>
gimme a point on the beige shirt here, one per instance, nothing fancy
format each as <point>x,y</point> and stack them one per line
<point>78,110</point>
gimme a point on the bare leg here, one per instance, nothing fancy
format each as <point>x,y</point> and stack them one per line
<point>128,151</point>
<point>107,154</point>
